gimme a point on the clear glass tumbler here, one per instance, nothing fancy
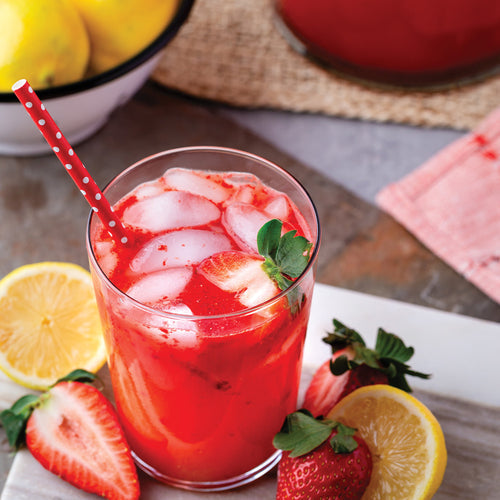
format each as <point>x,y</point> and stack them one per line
<point>201,397</point>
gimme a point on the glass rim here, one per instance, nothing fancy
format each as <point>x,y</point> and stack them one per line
<point>216,317</point>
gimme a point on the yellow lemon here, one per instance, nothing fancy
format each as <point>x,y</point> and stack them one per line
<point>49,323</point>
<point>405,439</point>
<point>120,29</point>
<point>44,41</point>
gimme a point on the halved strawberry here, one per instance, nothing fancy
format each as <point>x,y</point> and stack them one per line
<point>73,431</point>
<point>354,365</point>
<point>327,389</point>
<point>239,273</point>
<point>321,463</point>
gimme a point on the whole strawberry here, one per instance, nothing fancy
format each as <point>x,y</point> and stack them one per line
<point>354,365</point>
<point>324,460</point>
<point>73,431</point>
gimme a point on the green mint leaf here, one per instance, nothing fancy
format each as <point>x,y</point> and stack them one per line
<point>14,419</point>
<point>268,238</point>
<point>302,433</point>
<point>285,258</point>
<point>274,272</point>
<point>293,254</point>
<point>78,375</point>
<point>286,255</point>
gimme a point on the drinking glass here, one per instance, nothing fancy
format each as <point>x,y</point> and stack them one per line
<point>201,397</point>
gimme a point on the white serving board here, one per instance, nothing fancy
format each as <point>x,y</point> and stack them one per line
<point>445,343</point>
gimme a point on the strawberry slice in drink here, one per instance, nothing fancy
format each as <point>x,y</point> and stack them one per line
<point>242,274</point>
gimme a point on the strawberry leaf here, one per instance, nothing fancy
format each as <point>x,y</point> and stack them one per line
<point>301,433</point>
<point>15,418</point>
<point>78,375</point>
<point>389,356</point>
<point>343,336</point>
<point>268,238</point>
<point>343,441</point>
<point>15,427</point>
<point>392,347</point>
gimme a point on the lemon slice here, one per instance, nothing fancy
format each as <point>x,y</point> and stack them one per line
<point>49,323</point>
<point>405,439</point>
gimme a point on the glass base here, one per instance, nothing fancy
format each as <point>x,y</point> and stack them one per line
<point>224,484</point>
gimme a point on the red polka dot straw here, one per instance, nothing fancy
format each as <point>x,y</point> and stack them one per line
<point>69,159</point>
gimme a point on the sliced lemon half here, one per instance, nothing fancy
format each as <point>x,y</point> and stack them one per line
<point>49,323</point>
<point>405,439</point>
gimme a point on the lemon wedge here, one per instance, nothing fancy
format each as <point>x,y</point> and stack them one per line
<point>49,323</point>
<point>405,439</point>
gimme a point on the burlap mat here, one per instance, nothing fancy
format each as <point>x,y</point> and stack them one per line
<point>232,52</point>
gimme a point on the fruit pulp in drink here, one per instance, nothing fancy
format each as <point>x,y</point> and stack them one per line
<point>204,375</point>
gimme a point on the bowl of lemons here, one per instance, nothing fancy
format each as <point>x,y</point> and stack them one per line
<point>84,58</point>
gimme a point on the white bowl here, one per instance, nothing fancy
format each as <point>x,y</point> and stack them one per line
<point>83,107</point>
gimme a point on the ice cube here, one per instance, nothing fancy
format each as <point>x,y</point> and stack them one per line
<point>243,221</point>
<point>239,179</point>
<point>179,332</point>
<point>148,190</point>
<point>106,257</point>
<point>278,208</point>
<point>178,248</point>
<point>170,210</point>
<point>160,285</point>
<point>196,182</point>
<point>244,194</point>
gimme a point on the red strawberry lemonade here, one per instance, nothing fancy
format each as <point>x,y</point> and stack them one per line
<point>204,348</point>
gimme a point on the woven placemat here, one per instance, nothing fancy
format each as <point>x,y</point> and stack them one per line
<point>231,51</point>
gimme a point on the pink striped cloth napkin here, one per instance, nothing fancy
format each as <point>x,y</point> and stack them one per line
<point>452,205</point>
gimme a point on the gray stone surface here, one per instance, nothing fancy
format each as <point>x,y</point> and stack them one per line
<point>361,156</point>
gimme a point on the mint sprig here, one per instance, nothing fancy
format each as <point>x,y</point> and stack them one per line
<point>15,418</point>
<point>285,257</point>
<point>301,433</point>
<point>389,356</point>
